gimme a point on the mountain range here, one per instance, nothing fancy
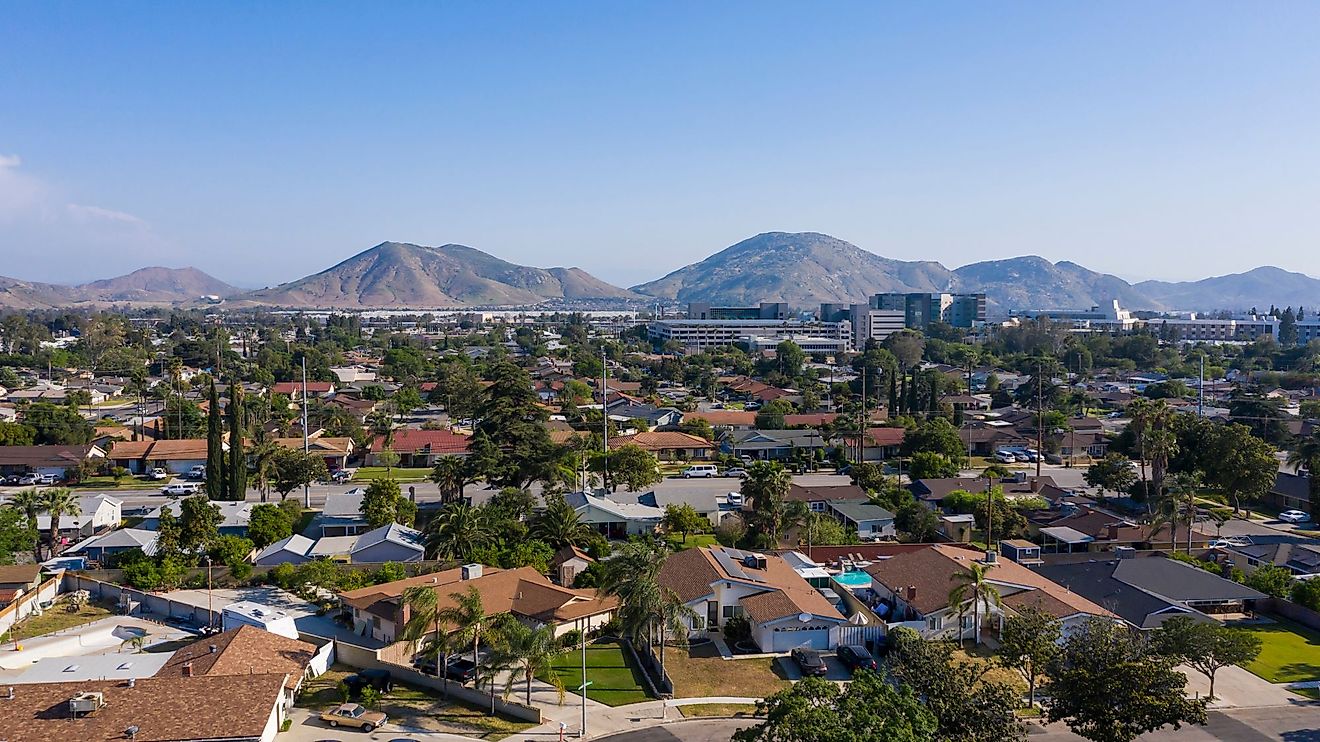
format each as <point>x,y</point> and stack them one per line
<point>145,286</point>
<point>801,268</point>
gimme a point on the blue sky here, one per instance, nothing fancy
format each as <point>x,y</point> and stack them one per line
<point>264,141</point>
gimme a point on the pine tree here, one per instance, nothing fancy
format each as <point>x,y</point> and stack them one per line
<point>215,454</point>
<point>237,455</point>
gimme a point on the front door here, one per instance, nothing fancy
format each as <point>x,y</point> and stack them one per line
<point>712,614</point>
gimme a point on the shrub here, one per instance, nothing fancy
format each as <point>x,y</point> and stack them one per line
<point>737,629</point>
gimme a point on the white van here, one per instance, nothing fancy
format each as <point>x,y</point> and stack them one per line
<point>701,470</point>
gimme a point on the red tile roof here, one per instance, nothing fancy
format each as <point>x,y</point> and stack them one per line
<point>413,440</point>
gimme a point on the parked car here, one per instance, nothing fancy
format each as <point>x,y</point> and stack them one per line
<point>700,470</point>
<point>736,471</point>
<point>1005,457</point>
<point>1221,543</point>
<point>1022,456</point>
<point>378,679</point>
<point>457,668</point>
<point>198,472</point>
<point>810,661</point>
<point>181,489</point>
<point>855,657</point>
<point>1294,516</point>
<point>159,474</point>
<point>354,715</point>
<point>342,476</point>
<point>28,479</point>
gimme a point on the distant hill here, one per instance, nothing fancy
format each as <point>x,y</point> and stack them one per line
<point>1033,282</point>
<point>396,274</point>
<point>1259,287</point>
<point>801,268</point>
<point>142,286</point>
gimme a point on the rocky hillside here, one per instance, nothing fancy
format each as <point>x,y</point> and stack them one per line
<point>153,286</point>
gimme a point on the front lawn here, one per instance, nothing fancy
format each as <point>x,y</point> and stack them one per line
<point>676,542</point>
<point>413,707</point>
<point>614,679</point>
<point>58,617</point>
<point>400,474</point>
<point>1289,652</point>
<point>109,483</point>
<point>700,671</point>
<point>721,710</point>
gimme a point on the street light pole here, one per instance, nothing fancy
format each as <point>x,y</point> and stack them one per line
<point>582,730</point>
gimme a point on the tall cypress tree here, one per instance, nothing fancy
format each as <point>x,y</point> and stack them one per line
<point>893,393</point>
<point>215,453</point>
<point>237,454</point>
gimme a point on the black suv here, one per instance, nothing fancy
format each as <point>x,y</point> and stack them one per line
<point>378,679</point>
<point>456,669</point>
<point>810,661</point>
<point>855,657</point>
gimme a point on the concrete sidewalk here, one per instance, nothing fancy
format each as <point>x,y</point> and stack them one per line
<point>606,720</point>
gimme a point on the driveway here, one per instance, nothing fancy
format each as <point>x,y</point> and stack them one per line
<point>308,728</point>
<point>835,669</point>
<point>697,730</point>
<point>1236,687</point>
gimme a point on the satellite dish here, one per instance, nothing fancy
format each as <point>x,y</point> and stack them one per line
<point>804,617</point>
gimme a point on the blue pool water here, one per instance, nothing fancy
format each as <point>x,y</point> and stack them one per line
<point>853,579</point>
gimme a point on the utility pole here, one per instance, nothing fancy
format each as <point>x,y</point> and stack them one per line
<point>1040,420</point>
<point>582,730</point>
<point>307,488</point>
<point>605,461</point>
<point>861,433</point>
<point>1200,389</point>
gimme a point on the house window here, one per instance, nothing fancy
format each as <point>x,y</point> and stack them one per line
<point>817,507</point>
<point>967,621</point>
<point>934,623</point>
<point>732,610</point>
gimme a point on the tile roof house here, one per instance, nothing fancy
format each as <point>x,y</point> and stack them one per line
<point>420,448</point>
<point>731,419</point>
<point>335,450</point>
<point>785,611</point>
<point>380,611</point>
<point>294,389</point>
<point>1147,591</point>
<point>176,456</point>
<point>915,586</point>
<point>881,443</point>
<point>46,459</point>
<point>175,709</point>
<point>244,651</point>
<point>669,445</point>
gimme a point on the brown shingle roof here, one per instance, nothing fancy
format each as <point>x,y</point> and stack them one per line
<point>690,576</point>
<point>723,417</point>
<point>163,709</point>
<point>243,651</point>
<point>19,574</point>
<point>818,493</point>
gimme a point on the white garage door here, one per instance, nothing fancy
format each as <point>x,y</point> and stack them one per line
<point>785,641</point>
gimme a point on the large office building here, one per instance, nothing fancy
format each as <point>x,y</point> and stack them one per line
<point>702,334</point>
<point>1107,318</point>
<point>765,310</point>
<point>921,309</point>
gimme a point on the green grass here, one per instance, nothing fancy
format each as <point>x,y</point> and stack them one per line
<point>400,474</point>
<point>1289,652</point>
<point>719,710</point>
<point>108,483</point>
<point>614,680</point>
<point>693,540</point>
<point>58,618</point>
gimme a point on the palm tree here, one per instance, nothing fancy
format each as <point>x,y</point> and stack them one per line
<point>468,618</point>
<point>527,651</point>
<point>973,585</point>
<point>1305,454</point>
<point>632,576</point>
<point>451,475</point>
<point>1140,411</point>
<point>673,619</point>
<point>29,503</point>
<point>263,452</point>
<point>58,501</point>
<point>558,525</point>
<point>423,622</point>
<point>1178,505</point>
<point>457,532</point>
<point>765,490</point>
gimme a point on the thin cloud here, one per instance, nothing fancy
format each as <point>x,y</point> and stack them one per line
<point>10,161</point>
<point>97,213</point>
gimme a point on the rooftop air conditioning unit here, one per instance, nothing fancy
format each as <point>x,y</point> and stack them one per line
<point>86,703</point>
<point>471,571</point>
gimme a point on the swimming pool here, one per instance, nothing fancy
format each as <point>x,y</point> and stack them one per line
<point>855,578</point>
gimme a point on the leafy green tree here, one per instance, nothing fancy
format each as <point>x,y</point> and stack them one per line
<point>17,434</point>
<point>632,466</point>
<point>1206,646</point>
<point>57,425</point>
<point>216,473</point>
<point>938,436</point>
<point>771,415</point>
<point>293,469</point>
<point>1109,685</point>
<point>917,523</point>
<point>765,490</point>
<point>199,524</point>
<point>819,529</point>
<point>817,710</point>
<point>1307,593</point>
<point>1114,472</point>
<point>468,621</point>
<point>558,524</point>
<point>380,503</point>
<point>268,524</point>
<point>232,551</point>
<point>698,426</point>
<point>1271,579</point>
<point>169,534</point>
<point>683,519</point>
<point>29,503</point>
<point>967,706</point>
<point>1305,454</point>
<point>931,465</point>
<point>452,474</point>
<point>1028,643</point>
<point>16,534</point>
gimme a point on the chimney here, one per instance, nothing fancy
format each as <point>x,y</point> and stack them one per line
<point>1112,532</point>
<point>187,669</point>
<point>1035,484</point>
<point>911,593</point>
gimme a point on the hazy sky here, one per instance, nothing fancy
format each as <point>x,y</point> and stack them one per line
<point>263,141</point>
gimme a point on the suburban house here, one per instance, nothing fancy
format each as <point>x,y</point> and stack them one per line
<point>1295,555</point>
<point>291,550</point>
<point>1018,486</point>
<point>391,543</point>
<point>984,438</point>
<point>881,444</point>
<point>240,651</point>
<point>914,588</point>
<point>784,610</point>
<point>335,451</point>
<point>1091,529</point>
<point>17,579</point>
<point>419,448</point>
<point>240,706</point>
<point>1290,492</point>
<point>669,445</point>
<point>97,513</point>
<point>1147,591</point>
<point>175,456</point>
<point>342,514</point>
<point>1083,444</point>
<point>378,611</point>
<point>724,419</point>
<point>294,389</point>
<point>568,563</point>
<point>234,516</point>
<point>615,520</point>
<point>774,445</point>
<point>118,541</point>
<point>53,460</point>
<point>651,416</point>
<point>818,497</point>
<point>870,522</point>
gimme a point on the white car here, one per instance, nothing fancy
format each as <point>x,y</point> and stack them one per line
<point>158,474</point>
<point>700,470</point>
<point>1223,543</point>
<point>1294,516</point>
<point>1005,457</point>
<point>181,488</point>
